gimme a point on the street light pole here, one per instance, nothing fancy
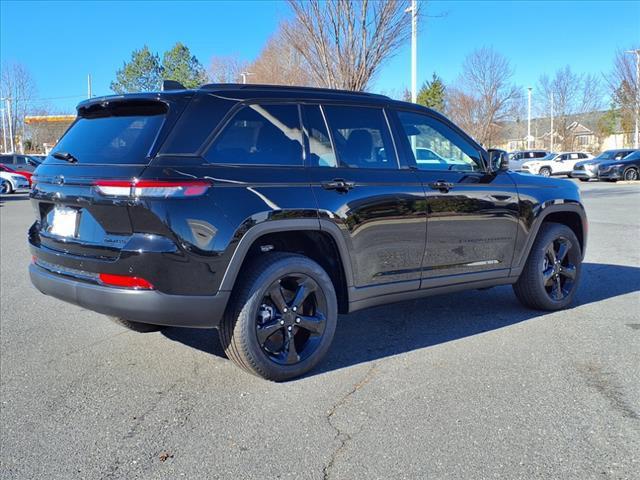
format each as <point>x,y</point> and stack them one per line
<point>414,51</point>
<point>637,133</point>
<point>4,132</point>
<point>529,122</point>
<point>551,145</point>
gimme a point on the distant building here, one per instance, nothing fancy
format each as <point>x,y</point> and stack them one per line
<point>581,130</point>
<point>42,132</point>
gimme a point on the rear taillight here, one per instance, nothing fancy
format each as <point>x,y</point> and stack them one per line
<point>125,281</point>
<point>152,188</point>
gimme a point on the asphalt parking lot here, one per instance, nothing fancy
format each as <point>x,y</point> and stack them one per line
<point>467,385</point>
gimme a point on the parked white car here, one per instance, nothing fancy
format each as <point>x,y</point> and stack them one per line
<point>10,182</point>
<point>555,163</point>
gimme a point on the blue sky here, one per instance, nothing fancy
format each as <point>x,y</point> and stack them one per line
<point>61,42</point>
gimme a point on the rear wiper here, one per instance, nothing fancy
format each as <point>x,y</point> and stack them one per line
<point>65,156</point>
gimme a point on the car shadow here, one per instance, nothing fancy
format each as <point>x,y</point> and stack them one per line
<point>13,197</point>
<point>393,329</point>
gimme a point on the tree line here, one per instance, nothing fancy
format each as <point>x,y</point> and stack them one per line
<point>344,44</point>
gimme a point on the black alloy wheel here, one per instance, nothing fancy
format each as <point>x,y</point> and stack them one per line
<point>291,319</point>
<point>551,275</point>
<point>282,316</point>
<point>558,272</point>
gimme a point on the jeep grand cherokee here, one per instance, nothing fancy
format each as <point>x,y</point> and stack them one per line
<point>266,211</point>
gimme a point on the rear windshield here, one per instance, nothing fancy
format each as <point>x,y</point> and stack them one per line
<point>113,133</point>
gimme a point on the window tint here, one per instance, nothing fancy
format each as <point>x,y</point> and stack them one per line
<point>260,135</point>
<point>197,122</point>
<point>361,137</point>
<point>6,158</point>
<point>320,150</point>
<point>120,132</point>
<point>450,150</point>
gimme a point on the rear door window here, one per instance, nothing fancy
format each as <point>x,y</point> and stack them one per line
<point>260,135</point>
<point>361,136</point>
<point>113,133</point>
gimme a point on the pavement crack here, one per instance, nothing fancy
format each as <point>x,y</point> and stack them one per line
<point>341,436</point>
<point>604,383</point>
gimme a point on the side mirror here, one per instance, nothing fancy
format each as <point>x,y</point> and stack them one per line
<point>498,160</point>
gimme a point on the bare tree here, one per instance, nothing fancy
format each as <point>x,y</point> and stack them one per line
<point>484,95</point>
<point>623,86</point>
<point>17,85</point>
<point>279,63</point>
<point>227,69</point>
<point>344,42</point>
<point>573,96</point>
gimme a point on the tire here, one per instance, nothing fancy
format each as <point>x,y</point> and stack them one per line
<point>545,172</point>
<point>137,326</point>
<point>558,291</point>
<point>260,325</point>
<point>5,187</point>
<point>630,174</point>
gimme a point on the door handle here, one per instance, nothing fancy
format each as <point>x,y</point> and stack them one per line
<point>441,185</point>
<point>339,185</point>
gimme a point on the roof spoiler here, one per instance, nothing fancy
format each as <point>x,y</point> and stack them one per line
<point>171,85</point>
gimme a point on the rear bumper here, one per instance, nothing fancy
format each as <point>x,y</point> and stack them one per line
<point>145,306</point>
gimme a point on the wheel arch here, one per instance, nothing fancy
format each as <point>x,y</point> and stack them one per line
<point>326,246</point>
<point>570,214</point>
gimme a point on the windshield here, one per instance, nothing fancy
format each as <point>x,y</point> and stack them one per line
<point>119,133</point>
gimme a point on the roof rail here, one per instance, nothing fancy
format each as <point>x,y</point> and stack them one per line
<point>258,86</point>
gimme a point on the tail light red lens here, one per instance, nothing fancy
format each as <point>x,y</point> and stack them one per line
<point>125,281</point>
<point>152,188</point>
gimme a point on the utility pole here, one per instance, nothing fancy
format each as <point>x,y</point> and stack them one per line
<point>89,95</point>
<point>413,10</point>
<point>637,134</point>
<point>529,122</point>
<point>551,145</point>
<point>8,100</point>
<point>244,76</point>
<point>4,132</point>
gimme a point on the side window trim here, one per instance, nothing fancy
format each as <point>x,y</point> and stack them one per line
<point>481,154</point>
<point>393,137</point>
<point>330,133</point>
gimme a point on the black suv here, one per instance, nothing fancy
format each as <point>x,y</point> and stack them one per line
<point>265,211</point>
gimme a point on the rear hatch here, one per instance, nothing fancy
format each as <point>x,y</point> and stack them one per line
<point>109,145</point>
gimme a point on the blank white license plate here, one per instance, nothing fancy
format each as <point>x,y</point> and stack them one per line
<point>64,221</point>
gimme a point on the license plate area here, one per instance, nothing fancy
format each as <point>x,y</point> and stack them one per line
<point>63,221</point>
